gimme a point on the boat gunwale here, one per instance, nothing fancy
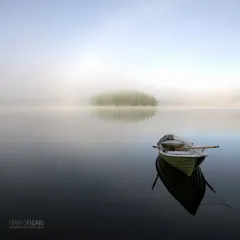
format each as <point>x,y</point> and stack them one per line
<point>181,156</point>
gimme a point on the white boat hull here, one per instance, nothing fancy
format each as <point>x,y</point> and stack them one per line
<point>184,164</point>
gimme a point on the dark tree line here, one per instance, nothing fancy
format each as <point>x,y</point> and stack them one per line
<point>124,98</point>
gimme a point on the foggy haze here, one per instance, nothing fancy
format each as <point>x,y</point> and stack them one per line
<point>63,52</point>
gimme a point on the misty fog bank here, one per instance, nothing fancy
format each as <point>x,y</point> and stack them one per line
<point>165,98</point>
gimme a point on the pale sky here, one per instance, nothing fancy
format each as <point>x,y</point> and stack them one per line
<point>53,48</point>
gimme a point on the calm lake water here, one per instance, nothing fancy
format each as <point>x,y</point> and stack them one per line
<point>89,173</point>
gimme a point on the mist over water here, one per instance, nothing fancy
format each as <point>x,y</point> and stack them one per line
<point>92,176</point>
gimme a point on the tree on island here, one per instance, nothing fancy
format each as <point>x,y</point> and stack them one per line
<point>124,98</point>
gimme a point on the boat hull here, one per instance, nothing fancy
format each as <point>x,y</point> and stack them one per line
<point>185,164</point>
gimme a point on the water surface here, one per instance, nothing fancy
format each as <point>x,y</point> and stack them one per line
<point>90,173</point>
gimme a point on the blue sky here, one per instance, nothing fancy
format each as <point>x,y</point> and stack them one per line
<point>55,47</point>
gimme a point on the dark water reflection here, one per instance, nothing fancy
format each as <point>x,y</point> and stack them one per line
<point>92,179</point>
<point>124,113</point>
<point>188,191</point>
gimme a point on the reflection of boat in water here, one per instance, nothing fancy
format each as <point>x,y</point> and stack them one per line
<point>189,191</point>
<point>124,113</point>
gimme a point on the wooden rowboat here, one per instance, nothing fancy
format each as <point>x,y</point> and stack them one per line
<point>180,153</point>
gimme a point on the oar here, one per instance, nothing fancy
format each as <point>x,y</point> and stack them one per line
<point>202,147</point>
<point>155,182</point>
<point>195,147</point>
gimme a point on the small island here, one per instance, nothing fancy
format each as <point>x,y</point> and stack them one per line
<point>124,98</point>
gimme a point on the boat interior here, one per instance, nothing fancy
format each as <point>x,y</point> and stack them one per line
<point>172,144</point>
<point>175,145</point>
